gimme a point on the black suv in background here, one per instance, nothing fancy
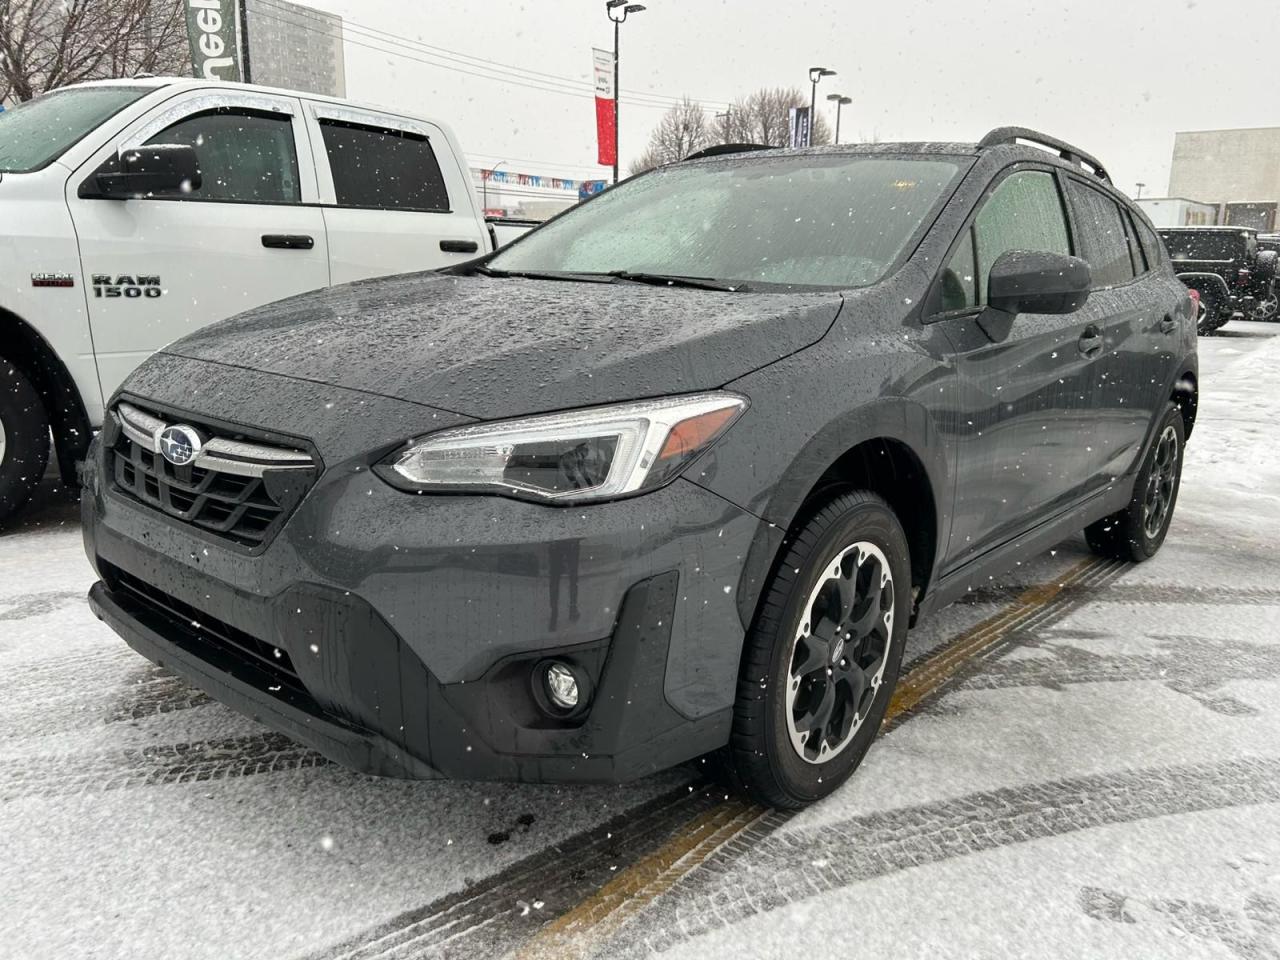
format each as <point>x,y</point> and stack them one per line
<point>1226,266</point>
<point>1268,308</point>
<point>671,474</point>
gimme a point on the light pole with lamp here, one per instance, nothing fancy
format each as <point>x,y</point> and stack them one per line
<point>815,74</point>
<point>841,101</point>
<point>1140,185</point>
<point>623,9</point>
<point>484,181</point>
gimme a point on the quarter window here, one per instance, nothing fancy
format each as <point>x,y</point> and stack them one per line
<point>1103,242</point>
<point>382,168</point>
<point>245,155</point>
<point>1023,212</point>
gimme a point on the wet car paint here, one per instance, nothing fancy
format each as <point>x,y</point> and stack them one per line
<point>987,436</point>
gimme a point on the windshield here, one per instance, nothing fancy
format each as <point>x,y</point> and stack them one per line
<point>35,133</point>
<point>799,221</point>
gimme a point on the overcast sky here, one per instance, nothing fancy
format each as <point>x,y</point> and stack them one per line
<point>1117,77</point>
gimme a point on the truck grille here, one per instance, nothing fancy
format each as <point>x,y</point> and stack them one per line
<point>239,490</point>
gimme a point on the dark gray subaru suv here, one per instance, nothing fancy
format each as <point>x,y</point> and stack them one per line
<point>672,473</point>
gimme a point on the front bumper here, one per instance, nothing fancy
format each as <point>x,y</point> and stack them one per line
<point>412,624</point>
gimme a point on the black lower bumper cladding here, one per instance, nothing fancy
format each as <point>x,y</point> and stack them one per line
<point>333,675</point>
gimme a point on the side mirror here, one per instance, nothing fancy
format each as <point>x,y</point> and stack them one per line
<point>155,168</point>
<point>1027,281</point>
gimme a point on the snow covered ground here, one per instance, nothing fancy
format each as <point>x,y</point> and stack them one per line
<point>1107,785</point>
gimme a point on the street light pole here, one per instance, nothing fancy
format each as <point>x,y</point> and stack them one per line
<point>484,181</point>
<point>841,101</point>
<point>1140,186</point>
<point>624,8</point>
<point>815,74</point>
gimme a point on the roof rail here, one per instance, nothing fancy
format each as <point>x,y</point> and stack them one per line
<point>722,148</point>
<point>1007,135</point>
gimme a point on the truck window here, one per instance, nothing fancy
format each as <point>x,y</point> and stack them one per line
<point>383,169</point>
<point>1024,212</point>
<point>245,155</point>
<point>1103,242</point>
<point>35,133</point>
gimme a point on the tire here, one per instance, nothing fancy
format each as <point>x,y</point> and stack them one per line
<point>804,605</point>
<point>24,439</point>
<point>1214,313</point>
<point>1134,533</point>
<point>1268,309</point>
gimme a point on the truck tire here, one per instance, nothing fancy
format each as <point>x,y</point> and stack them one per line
<point>1214,313</point>
<point>24,439</point>
<point>822,658</point>
<point>1136,532</point>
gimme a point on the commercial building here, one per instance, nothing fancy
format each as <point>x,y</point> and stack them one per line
<point>1179,212</point>
<point>296,47</point>
<point>1237,170</point>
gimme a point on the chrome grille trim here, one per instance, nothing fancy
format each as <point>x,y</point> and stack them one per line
<point>237,457</point>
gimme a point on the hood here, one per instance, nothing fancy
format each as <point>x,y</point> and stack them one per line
<point>489,347</point>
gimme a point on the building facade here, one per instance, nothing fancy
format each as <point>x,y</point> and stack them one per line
<point>296,47</point>
<point>1239,170</point>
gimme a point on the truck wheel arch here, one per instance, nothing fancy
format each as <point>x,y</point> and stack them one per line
<point>23,346</point>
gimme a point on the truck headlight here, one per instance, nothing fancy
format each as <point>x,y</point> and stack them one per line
<point>596,453</point>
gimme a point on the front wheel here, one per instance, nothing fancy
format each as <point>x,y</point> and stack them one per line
<point>1136,532</point>
<point>822,658</point>
<point>24,439</point>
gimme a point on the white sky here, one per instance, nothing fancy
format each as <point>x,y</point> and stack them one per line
<point>1117,77</point>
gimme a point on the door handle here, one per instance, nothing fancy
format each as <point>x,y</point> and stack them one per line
<point>459,246</point>
<point>288,241</point>
<point>1168,324</point>
<point>1090,341</point>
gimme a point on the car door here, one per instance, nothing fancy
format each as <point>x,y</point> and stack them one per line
<point>159,267</point>
<point>1136,311</point>
<point>1023,425</point>
<point>396,198</point>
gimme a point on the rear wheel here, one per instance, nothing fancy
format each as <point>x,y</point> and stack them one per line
<point>1214,313</point>
<point>24,439</point>
<point>1136,532</point>
<point>822,658</point>
<point>1268,308</point>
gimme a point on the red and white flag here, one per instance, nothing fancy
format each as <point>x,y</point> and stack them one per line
<point>606,132</point>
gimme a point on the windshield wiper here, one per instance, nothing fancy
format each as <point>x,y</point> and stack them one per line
<point>677,280</point>
<point>544,275</point>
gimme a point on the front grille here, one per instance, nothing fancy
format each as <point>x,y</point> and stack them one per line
<point>198,626</point>
<point>236,489</point>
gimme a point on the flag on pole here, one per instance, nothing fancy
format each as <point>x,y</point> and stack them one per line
<point>606,132</point>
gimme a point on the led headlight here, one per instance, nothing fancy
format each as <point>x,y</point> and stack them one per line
<point>591,454</point>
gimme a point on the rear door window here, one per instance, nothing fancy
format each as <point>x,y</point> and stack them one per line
<point>383,169</point>
<point>1103,240</point>
<point>1023,212</point>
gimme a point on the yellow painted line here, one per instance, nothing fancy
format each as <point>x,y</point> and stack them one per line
<point>576,933</point>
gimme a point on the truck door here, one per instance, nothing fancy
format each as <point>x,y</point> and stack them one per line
<point>160,267</point>
<point>396,196</point>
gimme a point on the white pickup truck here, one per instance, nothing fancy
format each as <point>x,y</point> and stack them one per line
<point>135,211</point>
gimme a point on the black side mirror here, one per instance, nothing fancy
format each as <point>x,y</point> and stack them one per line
<point>155,168</point>
<point>1028,281</point>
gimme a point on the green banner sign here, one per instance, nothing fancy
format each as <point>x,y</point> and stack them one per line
<point>211,28</point>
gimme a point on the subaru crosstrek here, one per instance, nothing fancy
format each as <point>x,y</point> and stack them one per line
<point>671,474</point>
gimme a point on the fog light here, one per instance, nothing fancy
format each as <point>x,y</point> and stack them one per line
<point>562,686</point>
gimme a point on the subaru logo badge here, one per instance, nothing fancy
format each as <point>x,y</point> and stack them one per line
<point>179,445</point>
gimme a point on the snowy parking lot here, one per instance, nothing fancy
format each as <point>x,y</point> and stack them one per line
<point>1083,760</point>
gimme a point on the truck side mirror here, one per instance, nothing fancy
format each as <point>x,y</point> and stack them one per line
<point>1028,281</point>
<point>154,168</point>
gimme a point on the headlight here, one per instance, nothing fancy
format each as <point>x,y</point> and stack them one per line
<point>591,454</point>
